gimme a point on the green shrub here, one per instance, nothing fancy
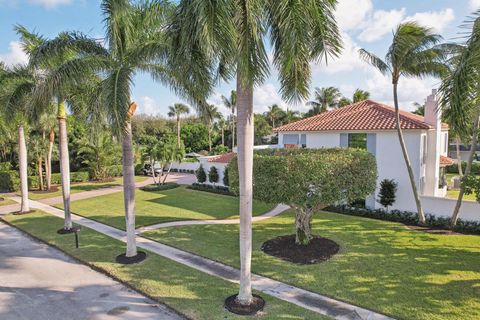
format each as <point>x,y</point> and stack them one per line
<point>212,189</point>
<point>9,181</point>
<point>5,166</point>
<point>454,168</point>
<point>386,195</point>
<point>225,177</point>
<point>213,175</point>
<point>201,175</point>
<point>115,171</point>
<point>139,169</point>
<point>33,183</point>
<point>160,187</point>
<point>79,176</point>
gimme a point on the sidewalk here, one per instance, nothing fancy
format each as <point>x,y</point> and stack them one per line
<point>303,298</point>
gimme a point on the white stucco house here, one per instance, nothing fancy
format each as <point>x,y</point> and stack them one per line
<point>371,125</point>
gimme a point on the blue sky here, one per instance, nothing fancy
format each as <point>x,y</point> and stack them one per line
<point>364,23</point>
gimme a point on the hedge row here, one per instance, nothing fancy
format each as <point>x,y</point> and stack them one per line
<point>211,188</point>
<point>409,218</point>
<point>454,167</point>
<point>9,181</point>
<point>160,187</point>
<point>79,176</point>
<point>183,171</point>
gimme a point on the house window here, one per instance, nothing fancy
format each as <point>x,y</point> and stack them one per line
<point>294,140</point>
<point>357,140</point>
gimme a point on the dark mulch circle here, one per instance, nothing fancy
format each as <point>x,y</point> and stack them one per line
<point>68,231</point>
<point>232,305</point>
<point>123,259</point>
<point>52,190</point>
<point>433,230</point>
<point>319,249</point>
<point>20,213</point>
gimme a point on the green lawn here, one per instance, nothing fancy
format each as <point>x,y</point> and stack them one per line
<point>453,194</point>
<point>81,187</point>
<point>162,206</point>
<point>382,265</point>
<point>5,201</point>
<point>191,292</point>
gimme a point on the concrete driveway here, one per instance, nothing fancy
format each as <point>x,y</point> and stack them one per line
<point>38,282</point>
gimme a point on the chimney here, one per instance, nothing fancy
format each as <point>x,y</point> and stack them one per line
<point>433,114</point>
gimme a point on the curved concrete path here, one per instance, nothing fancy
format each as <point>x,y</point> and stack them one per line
<point>272,213</point>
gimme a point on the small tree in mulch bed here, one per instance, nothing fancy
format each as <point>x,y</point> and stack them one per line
<point>213,175</point>
<point>309,180</point>
<point>387,193</point>
<point>201,175</point>
<point>225,177</point>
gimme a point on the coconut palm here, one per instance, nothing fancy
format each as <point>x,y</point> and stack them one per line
<point>231,103</point>
<point>176,111</point>
<point>324,99</point>
<point>360,95</point>
<point>413,53</point>
<point>135,42</point>
<point>209,113</point>
<point>460,96</point>
<point>234,33</point>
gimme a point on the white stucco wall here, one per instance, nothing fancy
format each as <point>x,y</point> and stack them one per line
<point>220,169</point>
<point>443,207</point>
<point>186,165</point>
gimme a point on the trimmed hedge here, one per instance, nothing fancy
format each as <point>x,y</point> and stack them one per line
<point>79,176</point>
<point>408,218</point>
<point>454,168</point>
<point>160,187</point>
<point>9,181</point>
<point>212,189</point>
<point>183,171</point>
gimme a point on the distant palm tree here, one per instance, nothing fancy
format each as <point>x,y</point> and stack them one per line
<point>46,123</point>
<point>38,146</point>
<point>413,53</point>
<point>324,99</point>
<point>360,95</point>
<point>177,110</point>
<point>222,124</point>
<point>274,113</point>
<point>344,102</point>
<point>290,116</point>
<point>231,103</point>
<point>419,109</point>
<point>209,113</point>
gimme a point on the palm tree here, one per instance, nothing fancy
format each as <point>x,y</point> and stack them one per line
<point>135,42</point>
<point>37,146</point>
<point>460,96</point>
<point>344,102</point>
<point>233,33</point>
<point>324,99</point>
<point>230,104</point>
<point>176,111</point>
<point>209,113</point>
<point>290,116</point>
<point>419,109</point>
<point>274,113</point>
<point>221,125</point>
<point>413,53</point>
<point>46,123</point>
<point>360,95</point>
<point>16,89</point>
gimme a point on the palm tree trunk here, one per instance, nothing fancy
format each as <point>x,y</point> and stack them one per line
<point>64,163</point>
<point>129,189</point>
<point>22,157</point>
<point>473,149</point>
<point>178,131</point>
<point>233,131</point>
<point>421,215</point>
<point>223,137</point>
<point>168,172</point>
<point>48,164</point>
<point>209,138</point>
<point>245,169</point>
<point>459,157</point>
<point>40,173</point>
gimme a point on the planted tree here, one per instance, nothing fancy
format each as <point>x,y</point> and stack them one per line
<point>213,175</point>
<point>310,180</point>
<point>226,182</point>
<point>201,175</point>
<point>231,103</point>
<point>387,193</point>
<point>176,111</point>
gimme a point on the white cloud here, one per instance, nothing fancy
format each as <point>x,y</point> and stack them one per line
<point>266,95</point>
<point>474,4</point>
<point>381,23</point>
<point>148,106</point>
<point>437,20</point>
<point>15,54</point>
<point>351,13</point>
<point>51,4</point>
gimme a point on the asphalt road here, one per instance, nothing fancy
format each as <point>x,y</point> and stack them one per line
<point>38,282</point>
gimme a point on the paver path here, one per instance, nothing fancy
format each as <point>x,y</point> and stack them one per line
<point>39,282</point>
<point>306,299</point>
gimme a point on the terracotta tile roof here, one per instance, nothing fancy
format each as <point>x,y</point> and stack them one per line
<point>446,161</point>
<point>223,158</point>
<point>363,115</point>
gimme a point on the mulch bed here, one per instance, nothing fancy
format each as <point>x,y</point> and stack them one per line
<point>318,250</point>
<point>123,259</point>
<point>434,231</point>
<point>68,231</point>
<point>52,189</point>
<point>232,305</point>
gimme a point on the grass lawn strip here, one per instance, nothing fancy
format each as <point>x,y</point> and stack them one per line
<point>193,293</point>
<point>6,201</point>
<point>162,206</point>
<point>381,265</point>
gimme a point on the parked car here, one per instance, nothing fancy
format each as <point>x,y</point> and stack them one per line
<point>147,170</point>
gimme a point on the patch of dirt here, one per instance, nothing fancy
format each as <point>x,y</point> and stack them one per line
<point>433,231</point>
<point>123,259</point>
<point>318,250</point>
<point>52,189</point>
<point>68,231</point>
<point>232,305</point>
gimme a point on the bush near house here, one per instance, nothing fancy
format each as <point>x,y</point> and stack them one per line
<point>454,168</point>
<point>309,180</point>
<point>213,175</point>
<point>387,193</point>
<point>201,175</point>
<point>225,177</point>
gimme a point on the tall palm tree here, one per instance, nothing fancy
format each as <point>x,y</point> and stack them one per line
<point>209,113</point>
<point>231,103</point>
<point>176,111</point>
<point>290,116</point>
<point>413,53</point>
<point>17,85</point>
<point>37,146</point>
<point>419,109</point>
<point>324,99</point>
<point>135,42</point>
<point>274,113</point>
<point>460,96</point>
<point>360,95</point>
<point>234,33</point>
<point>221,125</point>
<point>46,123</point>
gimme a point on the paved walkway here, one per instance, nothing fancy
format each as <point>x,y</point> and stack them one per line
<point>303,298</point>
<point>38,282</point>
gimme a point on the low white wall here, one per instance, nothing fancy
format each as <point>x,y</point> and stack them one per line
<point>220,169</point>
<point>443,207</point>
<point>186,165</point>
